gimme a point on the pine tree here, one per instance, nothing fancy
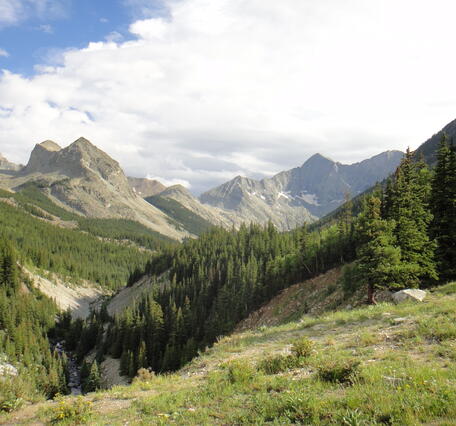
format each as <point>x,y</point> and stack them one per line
<point>411,213</point>
<point>443,227</point>
<point>93,381</point>
<point>379,261</point>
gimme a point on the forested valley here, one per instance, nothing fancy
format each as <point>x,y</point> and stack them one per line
<point>403,237</point>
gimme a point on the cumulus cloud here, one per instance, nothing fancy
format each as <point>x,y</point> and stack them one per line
<point>4,53</point>
<point>171,182</point>
<point>217,88</point>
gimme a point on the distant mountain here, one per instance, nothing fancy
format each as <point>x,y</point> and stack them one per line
<point>7,166</point>
<point>429,148</point>
<point>146,187</point>
<point>302,194</point>
<point>179,195</point>
<point>87,181</point>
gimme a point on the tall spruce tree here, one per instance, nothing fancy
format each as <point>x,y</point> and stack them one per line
<point>379,260</point>
<point>443,227</point>
<point>409,208</point>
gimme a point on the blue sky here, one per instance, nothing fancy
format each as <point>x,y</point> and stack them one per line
<point>200,91</point>
<point>38,36</point>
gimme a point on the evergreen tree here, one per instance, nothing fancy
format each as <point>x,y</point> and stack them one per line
<point>443,204</point>
<point>379,260</point>
<point>93,381</point>
<point>410,211</point>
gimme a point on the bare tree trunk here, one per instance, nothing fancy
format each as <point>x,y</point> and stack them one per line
<point>371,294</point>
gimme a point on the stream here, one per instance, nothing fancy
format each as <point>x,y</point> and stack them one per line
<point>74,371</point>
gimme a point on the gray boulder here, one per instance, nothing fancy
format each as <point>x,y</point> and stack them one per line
<point>409,294</point>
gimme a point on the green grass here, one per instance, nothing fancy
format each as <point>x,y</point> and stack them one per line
<point>361,368</point>
<point>183,216</point>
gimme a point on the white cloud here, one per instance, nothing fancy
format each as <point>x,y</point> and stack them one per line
<point>251,86</point>
<point>13,12</point>
<point>3,53</point>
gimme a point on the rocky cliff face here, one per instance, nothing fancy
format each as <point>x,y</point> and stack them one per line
<point>292,197</point>
<point>86,180</point>
<point>146,187</point>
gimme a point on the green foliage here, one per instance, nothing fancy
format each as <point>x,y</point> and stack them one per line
<point>69,252</point>
<point>183,216</point>
<point>280,363</point>
<point>239,372</point>
<point>338,371</point>
<point>125,230</point>
<point>10,402</point>
<point>379,261</point>
<point>302,348</point>
<point>408,206</point>
<point>66,411</point>
<point>26,316</point>
<point>443,227</point>
<point>92,381</point>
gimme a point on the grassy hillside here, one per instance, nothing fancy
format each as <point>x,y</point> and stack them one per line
<point>184,217</point>
<point>386,364</point>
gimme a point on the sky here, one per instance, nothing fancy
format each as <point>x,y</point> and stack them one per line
<point>199,91</point>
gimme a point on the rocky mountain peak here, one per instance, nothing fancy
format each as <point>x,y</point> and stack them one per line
<point>145,187</point>
<point>50,146</point>
<point>317,159</point>
<point>83,144</point>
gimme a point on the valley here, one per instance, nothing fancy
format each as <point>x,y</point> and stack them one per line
<point>107,280</point>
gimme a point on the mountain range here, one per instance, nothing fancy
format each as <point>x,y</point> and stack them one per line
<point>85,180</point>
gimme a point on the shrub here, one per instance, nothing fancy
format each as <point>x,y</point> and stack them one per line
<point>338,371</point>
<point>239,372</point>
<point>302,348</point>
<point>144,375</point>
<point>10,402</point>
<point>71,411</point>
<point>278,364</point>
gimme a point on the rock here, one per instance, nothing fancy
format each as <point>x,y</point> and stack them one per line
<point>7,370</point>
<point>409,294</point>
<point>399,320</point>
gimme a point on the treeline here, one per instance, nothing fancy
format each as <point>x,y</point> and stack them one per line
<point>26,316</point>
<point>69,252</point>
<point>35,202</point>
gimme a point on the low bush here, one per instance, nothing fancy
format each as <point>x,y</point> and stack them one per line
<point>239,372</point>
<point>144,375</point>
<point>10,402</point>
<point>279,364</point>
<point>78,411</point>
<point>338,371</point>
<point>302,348</point>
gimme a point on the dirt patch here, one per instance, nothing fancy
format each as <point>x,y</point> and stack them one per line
<point>110,371</point>
<point>313,297</point>
<point>128,295</point>
<point>78,299</point>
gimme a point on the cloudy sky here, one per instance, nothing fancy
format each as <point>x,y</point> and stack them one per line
<point>199,91</point>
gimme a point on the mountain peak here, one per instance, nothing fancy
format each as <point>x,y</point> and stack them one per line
<point>83,143</point>
<point>318,158</point>
<point>50,146</point>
